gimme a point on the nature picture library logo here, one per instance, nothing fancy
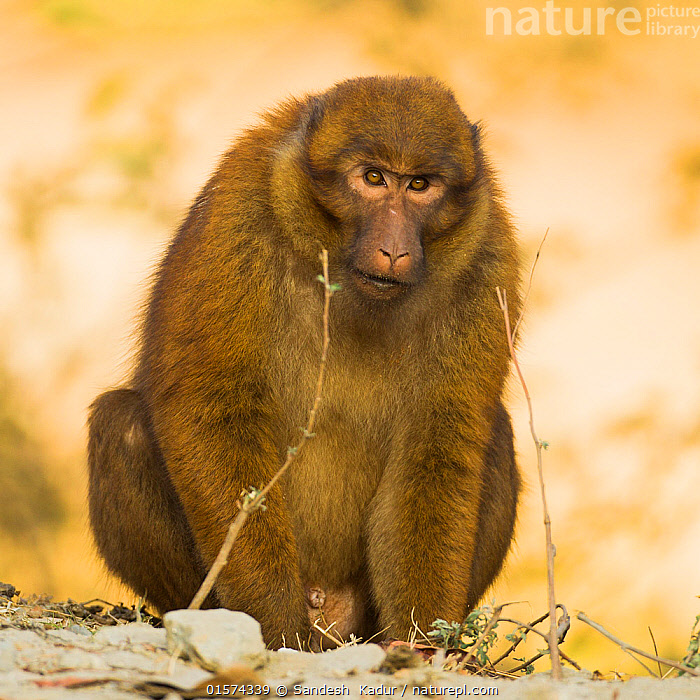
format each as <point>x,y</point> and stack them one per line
<point>653,20</point>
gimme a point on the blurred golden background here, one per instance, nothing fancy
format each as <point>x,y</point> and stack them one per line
<point>114,113</point>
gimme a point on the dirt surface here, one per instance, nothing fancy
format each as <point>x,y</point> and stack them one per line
<point>131,660</point>
<point>92,650</point>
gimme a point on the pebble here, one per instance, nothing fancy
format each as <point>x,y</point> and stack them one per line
<point>216,639</point>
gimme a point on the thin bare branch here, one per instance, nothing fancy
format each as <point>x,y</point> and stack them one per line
<point>553,646</point>
<point>641,663</point>
<point>251,503</point>
<point>628,647</point>
<point>529,286</point>
<point>563,626</point>
<point>327,633</point>
<point>490,625</point>
<point>656,649</point>
<point>520,639</point>
<point>471,656</point>
<point>416,630</point>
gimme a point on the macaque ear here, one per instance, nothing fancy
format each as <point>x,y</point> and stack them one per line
<point>297,146</point>
<point>294,184</point>
<point>309,124</point>
<point>311,149</point>
<point>314,114</point>
<point>476,135</point>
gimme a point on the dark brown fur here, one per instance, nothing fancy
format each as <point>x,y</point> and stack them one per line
<point>405,501</point>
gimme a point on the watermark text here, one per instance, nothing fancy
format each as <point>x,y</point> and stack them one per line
<point>551,20</point>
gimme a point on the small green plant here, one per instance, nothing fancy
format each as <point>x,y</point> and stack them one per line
<point>515,638</point>
<point>469,635</point>
<point>473,641</point>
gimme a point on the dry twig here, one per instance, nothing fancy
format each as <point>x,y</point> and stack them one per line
<point>562,628</point>
<point>252,501</point>
<point>656,649</point>
<point>328,632</point>
<point>519,639</point>
<point>553,646</point>
<point>529,286</point>
<point>489,626</point>
<point>416,630</point>
<point>495,617</point>
<point>629,648</point>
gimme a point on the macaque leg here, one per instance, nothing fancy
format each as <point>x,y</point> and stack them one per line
<point>499,499</point>
<point>439,531</point>
<point>138,521</point>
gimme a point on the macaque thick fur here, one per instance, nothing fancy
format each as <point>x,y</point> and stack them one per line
<point>403,505</point>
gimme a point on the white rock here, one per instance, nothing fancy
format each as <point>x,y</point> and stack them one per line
<point>133,633</point>
<point>7,655</point>
<point>349,660</point>
<point>216,639</point>
<point>69,637</point>
<point>59,659</point>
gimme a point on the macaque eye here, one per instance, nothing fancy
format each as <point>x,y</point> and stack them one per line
<point>374,177</point>
<point>418,184</point>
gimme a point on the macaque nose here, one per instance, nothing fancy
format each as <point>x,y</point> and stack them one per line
<point>395,262</point>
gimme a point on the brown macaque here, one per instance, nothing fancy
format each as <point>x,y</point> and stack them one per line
<point>403,505</point>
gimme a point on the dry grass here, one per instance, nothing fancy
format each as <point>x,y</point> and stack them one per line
<point>40,612</point>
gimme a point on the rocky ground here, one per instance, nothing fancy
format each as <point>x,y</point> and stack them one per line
<point>55,651</point>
